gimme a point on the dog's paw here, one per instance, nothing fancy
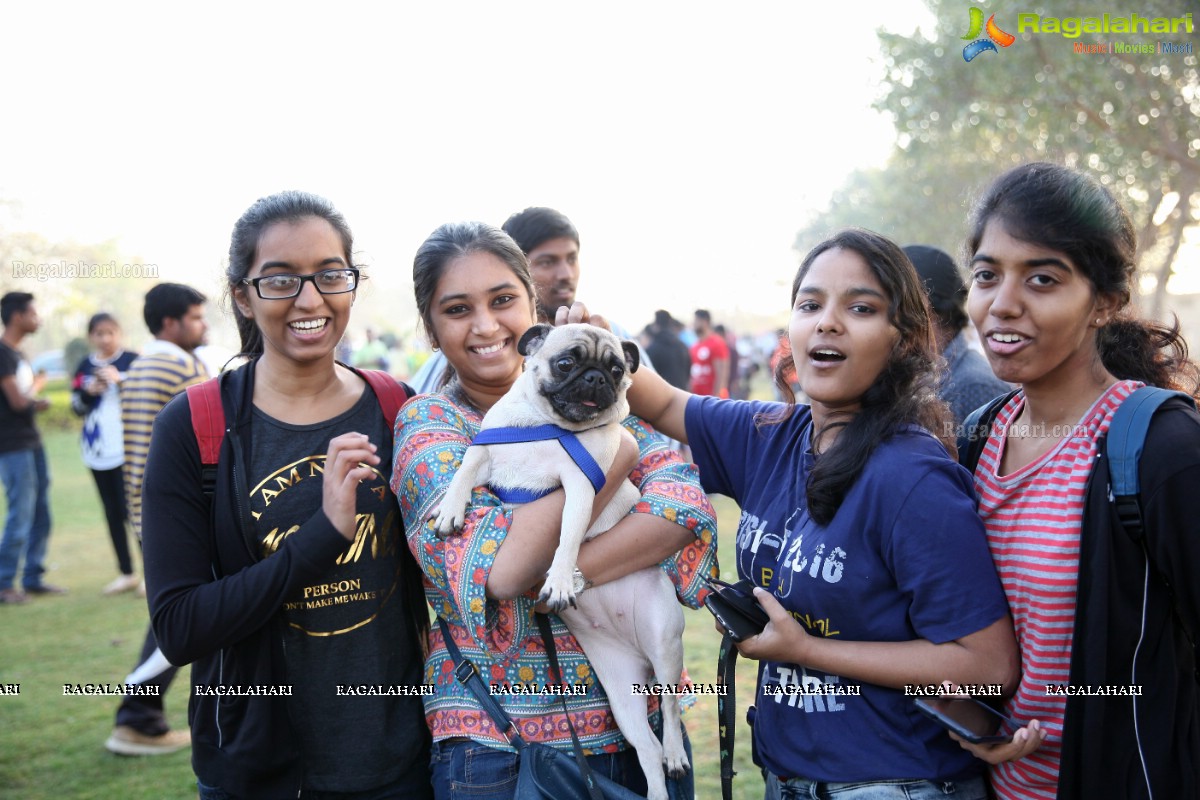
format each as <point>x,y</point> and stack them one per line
<point>447,521</point>
<point>677,765</point>
<point>557,594</point>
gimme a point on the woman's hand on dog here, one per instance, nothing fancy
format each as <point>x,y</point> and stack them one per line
<point>578,313</point>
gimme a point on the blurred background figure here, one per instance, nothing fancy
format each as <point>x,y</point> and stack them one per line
<point>780,356</point>
<point>215,358</point>
<point>710,358</point>
<point>174,313</point>
<point>22,458</point>
<point>968,382</point>
<point>96,396</point>
<point>670,355</point>
<point>373,354</point>
<point>734,385</point>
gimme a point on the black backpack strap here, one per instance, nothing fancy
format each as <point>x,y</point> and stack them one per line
<point>466,674</point>
<point>585,769</point>
<point>727,712</point>
<point>973,435</point>
<point>1123,446</point>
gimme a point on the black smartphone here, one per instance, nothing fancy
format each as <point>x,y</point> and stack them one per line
<point>972,719</point>
<point>735,608</point>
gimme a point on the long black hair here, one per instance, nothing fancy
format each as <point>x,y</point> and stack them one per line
<point>1067,211</point>
<point>904,392</point>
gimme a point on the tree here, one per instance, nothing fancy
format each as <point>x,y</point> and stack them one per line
<point>1129,118</point>
<point>34,264</point>
<point>919,197</point>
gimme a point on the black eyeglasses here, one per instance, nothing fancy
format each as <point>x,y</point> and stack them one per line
<point>327,281</point>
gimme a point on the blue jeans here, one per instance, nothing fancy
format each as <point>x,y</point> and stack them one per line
<point>26,480</point>
<point>467,770</point>
<point>801,789</point>
<point>413,786</point>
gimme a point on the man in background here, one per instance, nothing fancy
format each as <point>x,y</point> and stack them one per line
<point>174,313</point>
<point>22,459</point>
<point>670,354</point>
<point>551,242</point>
<point>710,358</point>
<point>969,382</point>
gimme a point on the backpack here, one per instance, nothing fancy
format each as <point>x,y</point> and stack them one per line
<point>1122,451</point>
<point>208,416</point>
<point>1122,446</point>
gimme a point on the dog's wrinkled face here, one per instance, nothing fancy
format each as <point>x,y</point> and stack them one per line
<point>581,371</point>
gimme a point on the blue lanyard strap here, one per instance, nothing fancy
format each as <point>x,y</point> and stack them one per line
<point>540,433</point>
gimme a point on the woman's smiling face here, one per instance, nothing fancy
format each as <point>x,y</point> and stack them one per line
<point>480,309</point>
<point>308,326</point>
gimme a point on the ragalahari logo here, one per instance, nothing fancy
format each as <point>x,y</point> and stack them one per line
<point>995,36</point>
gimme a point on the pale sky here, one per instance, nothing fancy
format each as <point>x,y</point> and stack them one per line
<point>687,141</point>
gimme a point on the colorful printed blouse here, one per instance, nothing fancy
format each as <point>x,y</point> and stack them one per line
<point>501,637</point>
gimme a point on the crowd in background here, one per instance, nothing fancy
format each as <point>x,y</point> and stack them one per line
<point>1011,565</point>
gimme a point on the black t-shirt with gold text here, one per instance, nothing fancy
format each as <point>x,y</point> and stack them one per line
<point>352,627</point>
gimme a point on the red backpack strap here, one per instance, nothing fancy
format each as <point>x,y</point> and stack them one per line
<point>391,393</point>
<point>208,423</point>
<point>208,418</point>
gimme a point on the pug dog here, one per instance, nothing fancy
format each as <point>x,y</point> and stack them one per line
<point>575,381</point>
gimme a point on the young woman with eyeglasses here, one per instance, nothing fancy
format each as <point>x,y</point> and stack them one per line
<point>290,588</point>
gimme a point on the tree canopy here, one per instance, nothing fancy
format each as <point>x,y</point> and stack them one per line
<point>1129,118</point>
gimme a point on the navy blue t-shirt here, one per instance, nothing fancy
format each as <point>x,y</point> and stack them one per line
<point>904,558</point>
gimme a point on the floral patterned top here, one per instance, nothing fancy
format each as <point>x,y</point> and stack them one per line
<point>501,637</point>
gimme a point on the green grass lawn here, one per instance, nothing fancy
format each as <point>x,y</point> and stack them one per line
<point>52,746</point>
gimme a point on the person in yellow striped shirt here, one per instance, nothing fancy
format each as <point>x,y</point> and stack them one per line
<point>174,313</point>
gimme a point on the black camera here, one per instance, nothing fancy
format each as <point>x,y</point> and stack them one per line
<point>735,608</point>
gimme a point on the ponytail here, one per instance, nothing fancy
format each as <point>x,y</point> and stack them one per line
<point>1140,350</point>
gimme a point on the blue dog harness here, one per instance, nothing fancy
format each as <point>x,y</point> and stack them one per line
<point>540,433</point>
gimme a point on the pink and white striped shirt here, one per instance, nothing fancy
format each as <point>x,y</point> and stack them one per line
<point>1033,518</point>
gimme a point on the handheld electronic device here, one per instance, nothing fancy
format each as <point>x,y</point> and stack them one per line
<point>735,608</point>
<point>972,719</point>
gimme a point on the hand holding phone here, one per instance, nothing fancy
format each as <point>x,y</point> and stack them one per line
<point>971,719</point>
<point>736,609</point>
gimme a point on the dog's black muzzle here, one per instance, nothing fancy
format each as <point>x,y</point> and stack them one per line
<point>583,394</point>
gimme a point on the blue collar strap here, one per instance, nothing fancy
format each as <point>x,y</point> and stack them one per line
<point>575,449</point>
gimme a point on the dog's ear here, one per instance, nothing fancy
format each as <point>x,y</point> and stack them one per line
<point>533,339</point>
<point>633,357</point>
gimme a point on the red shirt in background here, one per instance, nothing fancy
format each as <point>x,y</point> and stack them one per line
<point>705,353</point>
